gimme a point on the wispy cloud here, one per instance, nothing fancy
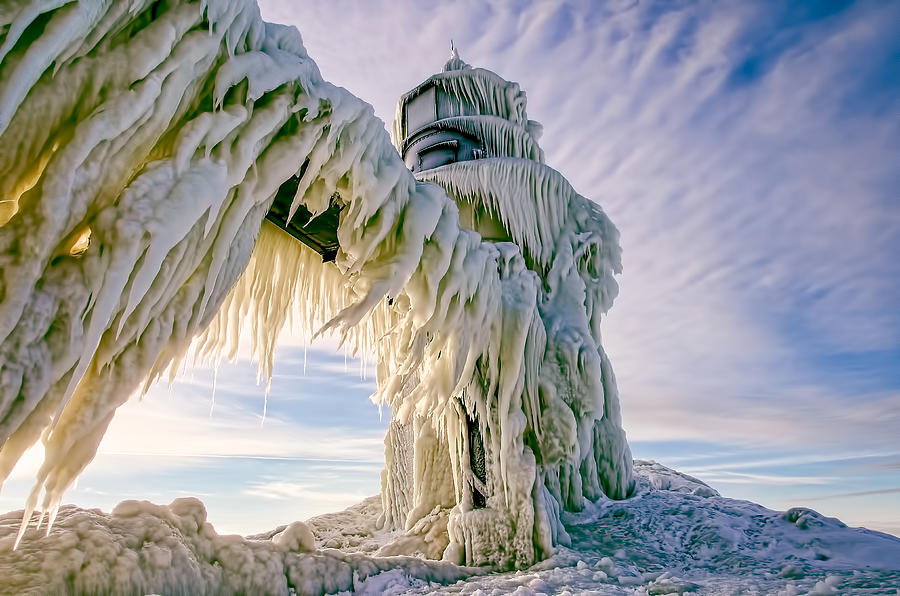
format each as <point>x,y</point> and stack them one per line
<point>889,466</point>
<point>726,477</point>
<point>184,426</point>
<point>851,495</point>
<point>746,153</point>
<point>796,459</point>
<point>282,490</point>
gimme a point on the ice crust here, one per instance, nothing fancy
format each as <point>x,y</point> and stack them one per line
<point>142,145</point>
<point>674,535</point>
<point>144,548</point>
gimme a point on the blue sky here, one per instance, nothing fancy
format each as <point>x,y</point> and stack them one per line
<point>748,153</point>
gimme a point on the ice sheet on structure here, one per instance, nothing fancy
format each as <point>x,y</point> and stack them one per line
<point>177,125</point>
<point>142,144</point>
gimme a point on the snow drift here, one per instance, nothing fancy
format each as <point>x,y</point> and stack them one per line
<point>142,144</point>
<point>142,548</point>
<point>674,535</point>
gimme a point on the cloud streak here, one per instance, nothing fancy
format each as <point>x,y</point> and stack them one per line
<point>283,491</point>
<point>851,495</point>
<point>746,154</point>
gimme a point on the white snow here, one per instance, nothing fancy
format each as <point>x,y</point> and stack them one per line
<point>659,541</point>
<point>143,548</point>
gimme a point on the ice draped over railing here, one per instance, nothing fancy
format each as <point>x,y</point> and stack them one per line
<point>141,145</point>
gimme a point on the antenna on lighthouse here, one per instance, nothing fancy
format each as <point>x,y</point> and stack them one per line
<point>455,62</point>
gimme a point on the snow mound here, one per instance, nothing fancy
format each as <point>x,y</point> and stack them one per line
<point>676,535</point>
<point>663,478</point>
<point>660,541</point>
<point>353,530</point>
<point>141,547</point>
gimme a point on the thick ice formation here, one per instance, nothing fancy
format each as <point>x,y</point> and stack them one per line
<point>540,429</point>
<point>142,144</point>
<point>144,548</point>
<point>675,535</point>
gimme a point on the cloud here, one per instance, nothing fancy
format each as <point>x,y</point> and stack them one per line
<point>861,493</point>
<point>727,462</point>
<point>724,477</point>
<point>890,466</point>
<point>282,491</point>
<point>184,424</point>
<point>174,425</point>
<point>745,151</point>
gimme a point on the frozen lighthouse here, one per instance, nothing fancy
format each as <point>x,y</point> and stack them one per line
<point>164,204</point>
<point>506,456</point>
<point>178,181</point>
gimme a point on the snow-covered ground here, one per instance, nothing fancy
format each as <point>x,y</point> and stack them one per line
<point>675,535</point>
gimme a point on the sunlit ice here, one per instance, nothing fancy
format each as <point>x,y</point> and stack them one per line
<point>218,192</point>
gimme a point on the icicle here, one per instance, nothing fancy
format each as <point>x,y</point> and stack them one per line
<point>262,422</point>
<point>212,398</point>
<point>51,519</point>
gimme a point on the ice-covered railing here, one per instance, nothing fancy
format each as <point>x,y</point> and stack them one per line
<point>536,205</point>
<point>501,136</point>
<point>141,146</point>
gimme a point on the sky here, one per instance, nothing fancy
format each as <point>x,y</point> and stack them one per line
<point>747,152</point>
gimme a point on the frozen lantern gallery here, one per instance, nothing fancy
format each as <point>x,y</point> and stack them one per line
<point>151,155</point>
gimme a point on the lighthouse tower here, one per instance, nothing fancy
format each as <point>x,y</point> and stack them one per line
<point>500,475</point>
